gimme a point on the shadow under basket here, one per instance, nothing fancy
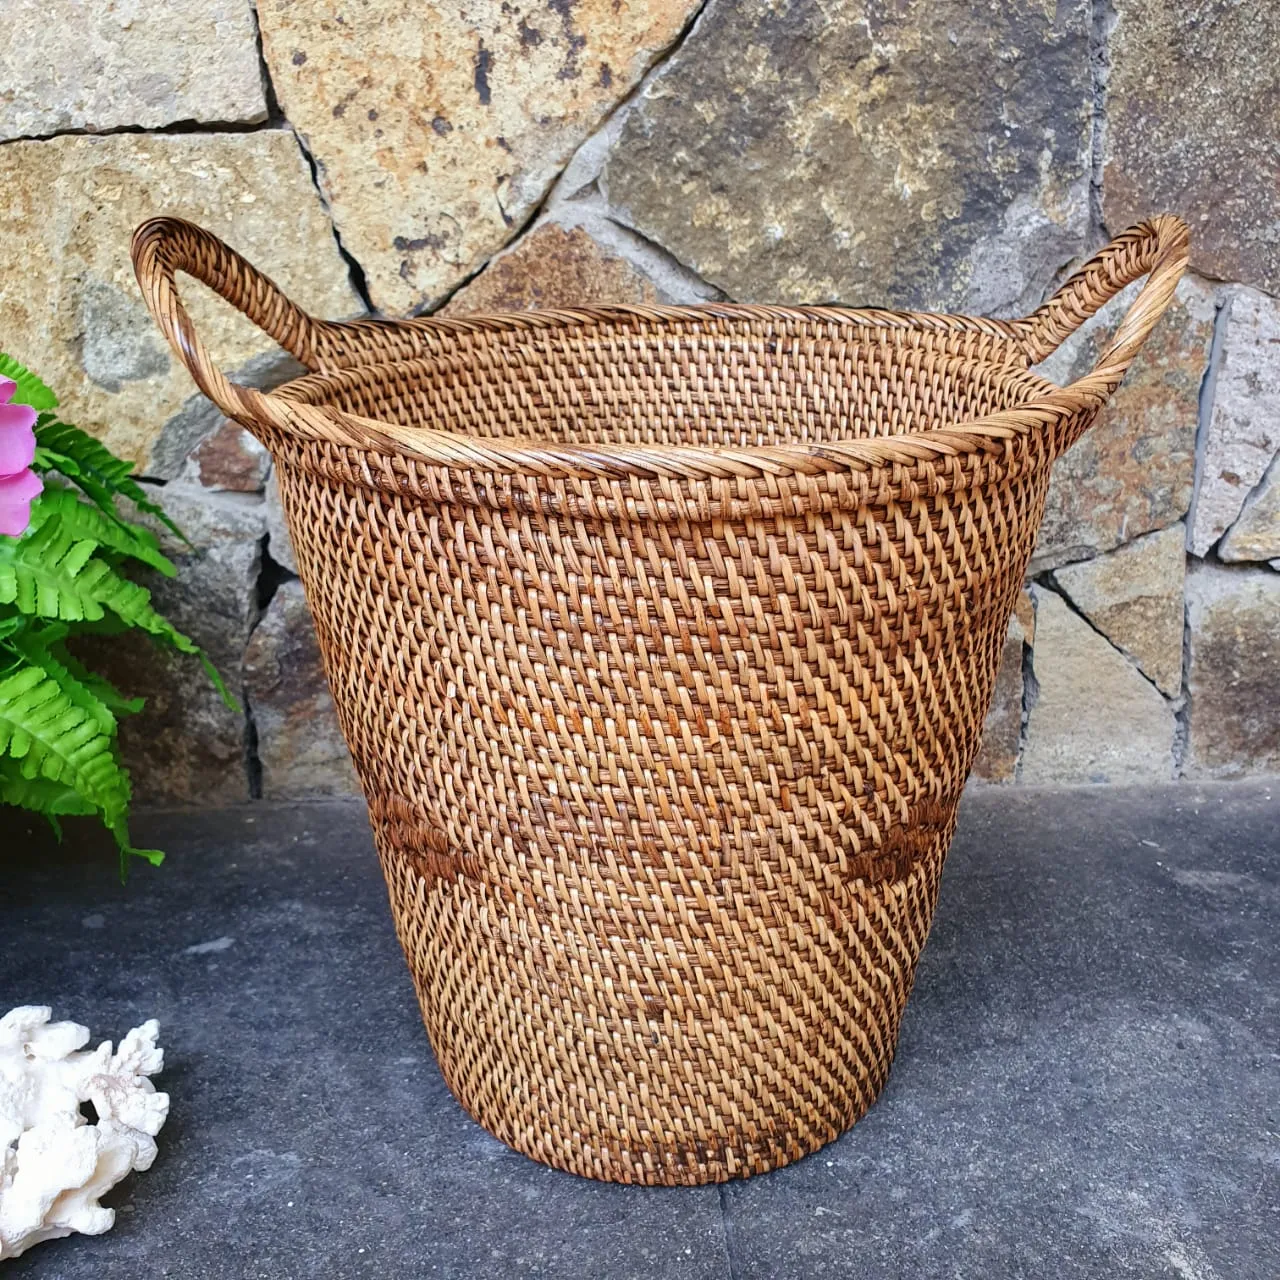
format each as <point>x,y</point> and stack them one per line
<point>662,639</point>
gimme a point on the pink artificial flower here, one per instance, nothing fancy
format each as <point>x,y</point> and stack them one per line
<point>18,483</point>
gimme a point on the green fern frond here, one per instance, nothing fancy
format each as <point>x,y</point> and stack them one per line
<point>98,686</point>
<point>58,733</point>
<point>42,646</point>
<point>52,738</point>
<point>107,529</point>
<point>88,463</point>
<point>120,830</point>
<point>38,574</point>
<point>52,574</point>
<point>53,799</point>
<point>31,390</point>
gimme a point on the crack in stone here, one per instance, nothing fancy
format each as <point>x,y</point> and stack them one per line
<point>1049,582</point>
<point>275,116</point>
<point>271,575</point>
<point>1272,472</point>
<point>252,760</point>
<point>548,201</point>
<point>1030,695</point>
<point>659,61</point>
<point>1182,711</point>
<point>519,234</point>
<point>666,258</point>
<point>355,271</point>
<point>651,73</point>
<point>1208,390</point>
<point>174,127</point>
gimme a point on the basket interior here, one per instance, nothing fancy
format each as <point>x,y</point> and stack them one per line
<point>740,384</point>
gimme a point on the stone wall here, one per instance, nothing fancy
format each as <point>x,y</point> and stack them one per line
<point>406,157</point>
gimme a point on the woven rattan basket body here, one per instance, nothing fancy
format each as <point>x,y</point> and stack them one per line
<point>662,640</point>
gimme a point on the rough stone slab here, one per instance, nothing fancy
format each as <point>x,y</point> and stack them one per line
<point>186,746</point>
<point>1096,718</point>
<point>1243,432</point>
<point>911,155</point>
<point>671,280</point>
<point>1135,469</point>
<point>1082,1087</point>
<point>69,65</point>
<point>577,202</point>
<point>437,130</point>
<point>1256,534</point>
<point>300,745</point>
<point>69,304</point>
<point>1133,595</point>
<point>1193,111</point>
<point>231,459</point>
<point>553,266</point>
<point>1233,674</point>
<point>997,759</point>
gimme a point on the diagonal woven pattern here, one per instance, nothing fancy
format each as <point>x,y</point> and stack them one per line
<point>662,639</point>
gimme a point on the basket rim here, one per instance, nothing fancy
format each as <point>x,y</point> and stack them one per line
<point>454,450</point>
<point>655,459</point>
<point>1157,249</point>
<point>678,313</point>
<point>322,424</point>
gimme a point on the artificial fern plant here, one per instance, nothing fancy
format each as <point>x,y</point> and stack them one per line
<point>59,753</point>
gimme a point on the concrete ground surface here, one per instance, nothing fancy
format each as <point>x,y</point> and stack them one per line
<point>1087,1084</point>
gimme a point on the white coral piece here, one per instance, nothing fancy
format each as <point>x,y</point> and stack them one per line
<point>54,1164</point>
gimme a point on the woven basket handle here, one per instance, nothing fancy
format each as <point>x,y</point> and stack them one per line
<point>163,246</point>
<point>1157,249</point>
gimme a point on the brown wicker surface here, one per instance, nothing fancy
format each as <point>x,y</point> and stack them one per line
<point>662,638</point>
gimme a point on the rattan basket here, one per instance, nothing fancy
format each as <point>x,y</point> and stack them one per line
<point>662,639</point>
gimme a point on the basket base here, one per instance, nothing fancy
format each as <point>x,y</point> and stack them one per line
<point>663,1168</point>
<point>665,1061</point>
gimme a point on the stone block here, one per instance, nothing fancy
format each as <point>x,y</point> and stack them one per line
<point>1256,533</point>
<point>1192,112</point>
<point>300,746</point>
<point>186,747</point>
<point>232,459</point>
<point>1133,595</point>
<point>1134,471</point>
<point>1233,674</point>
<point>69,304</point>
<point>1242,435</point>
<point>1095,718</point>
<point>437,130</point>
<point>65,64</point>
<point>920,154</point>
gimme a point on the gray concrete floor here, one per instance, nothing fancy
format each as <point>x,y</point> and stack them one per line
<point>1087,1085</point>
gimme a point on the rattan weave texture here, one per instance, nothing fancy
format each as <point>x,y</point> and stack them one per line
<point>662,638</point>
